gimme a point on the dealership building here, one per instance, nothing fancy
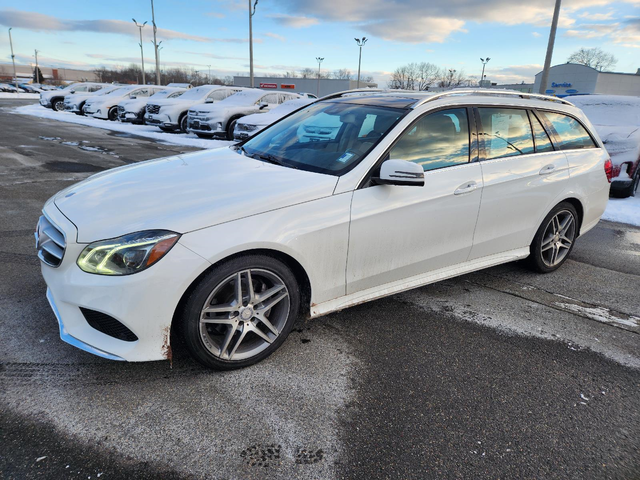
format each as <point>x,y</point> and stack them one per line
<point>573,79</point>
<point>323,87</point>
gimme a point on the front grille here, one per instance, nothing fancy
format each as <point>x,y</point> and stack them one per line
<point>50,242</point>
<point>153,109</point>
<point>108,325</point>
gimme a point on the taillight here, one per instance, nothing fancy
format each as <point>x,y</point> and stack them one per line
<point>608,169</point>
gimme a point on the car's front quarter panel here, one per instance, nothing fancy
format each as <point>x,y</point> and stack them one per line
<point>144,302</point>
<point>313,233</point>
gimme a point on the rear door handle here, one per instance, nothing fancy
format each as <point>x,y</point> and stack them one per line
<point>466,188</point>
<point>547,169</point>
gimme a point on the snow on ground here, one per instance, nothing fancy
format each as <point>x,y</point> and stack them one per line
<point>147,131</point>
<point>20,96</point>
<point>623,210</point>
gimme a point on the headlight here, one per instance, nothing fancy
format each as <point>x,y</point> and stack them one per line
<point>250,128</point>
<point>127,254</point>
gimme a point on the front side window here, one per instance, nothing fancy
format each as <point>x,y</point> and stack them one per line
<point>269,99</point>
<point>219,94</point>
<point>437,140</point>
<point>324,137</point>
<point>572,134</point>
<point>506,132</point>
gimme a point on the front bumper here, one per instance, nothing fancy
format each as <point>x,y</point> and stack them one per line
<point>71,108</point>
<point>144,302</point>
<point>204,127</point>
<point>131,117</point>
<point>45,102</point>
<point>160,120</point>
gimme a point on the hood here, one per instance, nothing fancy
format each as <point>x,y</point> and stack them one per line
<point>134,103</point>
<point>185,193</point>
<point>260,119</point>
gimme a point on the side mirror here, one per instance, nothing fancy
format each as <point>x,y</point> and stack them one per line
<point>133,97</point>
<point>72,92</point>
<point>400,172</point>
<point>263,105</point>
<point>209,100</point>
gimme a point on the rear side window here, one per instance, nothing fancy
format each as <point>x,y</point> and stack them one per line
<point>437,140</point>
<point>506,132</point>
<point>572,135</point>
<point>543,144</point>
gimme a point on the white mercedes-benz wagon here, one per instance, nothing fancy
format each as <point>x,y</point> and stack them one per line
<point>348,199</point>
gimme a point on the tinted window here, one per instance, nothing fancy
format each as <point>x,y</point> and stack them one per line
<point>506,132</point>
<point>219,94</point>
<point>270,99</point>
<point>572,134</point>
<point>437,140</point>
<point>543,144</point>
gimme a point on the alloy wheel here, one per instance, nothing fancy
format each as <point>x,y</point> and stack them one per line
<point>558,238</point>
<point>244,314</point>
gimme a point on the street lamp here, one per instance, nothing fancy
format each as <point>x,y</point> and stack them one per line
<point>37,69</point>
<point>552,39</point>
<point>13,59</point>
<point>319,60</point>
<point>155,44</point>
<point>252,12</point>
<point>140,27</point>
<point>484,63</point>
<point>360,42</point>
<point>209,77</point>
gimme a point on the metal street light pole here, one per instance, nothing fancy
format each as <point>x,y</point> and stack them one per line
<point>360,42</point>
<point>252,12</point>
<point>13,59</point>
<point>155,44</point>
<point>37,69</point>
<point>552,39</point>
<point>319,60</point>
<point>484,63</point>
<point>209,77</point>
<point>140,27</point>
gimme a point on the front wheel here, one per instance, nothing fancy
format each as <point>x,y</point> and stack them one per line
<point>113,114</point>
<point>555,238</point>
<point>58,105</point>
<point>183,124</point>
<point>230,128</point>
<point>240,312</point>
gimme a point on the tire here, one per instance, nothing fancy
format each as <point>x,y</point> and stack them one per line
<point>231,127</point>
<point>58,104</point>
<point>113,114</point>
<point>204,135</point>
<point>554,239</point>
<point>166,130</point>
<point>631,190</point>
<point>183,123</point>
<point>80,109</point>
<point>236,336</point>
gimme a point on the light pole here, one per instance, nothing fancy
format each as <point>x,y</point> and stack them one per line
<point>252,12</point>
<point>140,27</point>
<point>37,69</point>
<point>319,60</point>
<point>155,44</point>
<point>552,38</point>
<point>484,63</point>
<point>209,77</point>
<point>360,42</point>
<point>13,59</point>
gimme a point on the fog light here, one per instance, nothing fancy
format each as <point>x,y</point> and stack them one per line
<point>219,126</point>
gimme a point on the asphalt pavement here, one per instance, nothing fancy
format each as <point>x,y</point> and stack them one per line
<point>502,373</point>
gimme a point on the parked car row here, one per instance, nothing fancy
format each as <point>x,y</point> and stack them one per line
<point>209,111</point>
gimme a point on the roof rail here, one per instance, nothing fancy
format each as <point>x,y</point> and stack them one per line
<point>355,90</point>
<point>489,93</point>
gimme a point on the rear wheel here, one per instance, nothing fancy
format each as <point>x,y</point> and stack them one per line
<point>240,312</point>
<point>113,114</point>
<point>80,109</point>
<point>183,123</point>
<point>231,127</point>
<point>58,104</point>
<point>555,238</point>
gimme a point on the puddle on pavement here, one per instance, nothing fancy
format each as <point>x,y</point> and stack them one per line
<point>72,167</point>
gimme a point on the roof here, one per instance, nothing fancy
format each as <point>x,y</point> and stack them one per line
<point>380,100</point>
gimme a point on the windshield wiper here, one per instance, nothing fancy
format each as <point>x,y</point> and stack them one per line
<point>272,159</point>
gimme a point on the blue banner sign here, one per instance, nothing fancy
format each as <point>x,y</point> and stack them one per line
<point>564,84</point>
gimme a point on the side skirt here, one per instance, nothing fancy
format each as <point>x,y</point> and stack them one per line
<point>373,293</point>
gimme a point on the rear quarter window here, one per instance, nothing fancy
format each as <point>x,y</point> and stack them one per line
<point>571,133</point>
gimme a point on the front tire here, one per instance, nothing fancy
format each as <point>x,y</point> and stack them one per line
<point>231,127</point>
<point>240,312</point>
<point>58,104</point>
<point>554,239</point>
<point>183,123</point>
<point>113,114</point>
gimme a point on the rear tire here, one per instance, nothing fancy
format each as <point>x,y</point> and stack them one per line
<point>113,114</point>
<point>231,127</point>
<point>238,330</point>
<point>554,239</point>
<point>183,123</point>
<point>58,104</point>
<point>80,109</point>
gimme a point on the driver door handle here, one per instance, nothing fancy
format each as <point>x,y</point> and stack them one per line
<point>547,169</point>
<point>466,187</point>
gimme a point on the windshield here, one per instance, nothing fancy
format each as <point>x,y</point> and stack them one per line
<point>325,137</point>
<point>195,93</point>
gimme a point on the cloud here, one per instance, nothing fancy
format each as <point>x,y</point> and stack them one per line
<point>626,33</point>
<point>536,34</point>
<point>39,22</point>
<point>276,36</point>
<point>597,16</point>
<point>215,14</point>
<point>293,21</point>
<point>513,74</point>
<point>212,55</point>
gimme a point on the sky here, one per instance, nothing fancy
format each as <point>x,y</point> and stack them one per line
<point>290,34</point>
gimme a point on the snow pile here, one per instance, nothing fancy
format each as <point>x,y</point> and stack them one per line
<point>20,96</point>
<point>623,210</point>
<point>147,131</point>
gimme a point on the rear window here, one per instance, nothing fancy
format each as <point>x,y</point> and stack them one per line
<point>571,133</point>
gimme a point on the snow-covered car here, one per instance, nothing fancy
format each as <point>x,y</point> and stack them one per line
<point>186,86</point>
<point>219,119</point>
<point>75,101</point>
<point>171,113</point>
<point>55,98</point>
<point>132,110</point>
<point>617,120</point>
<point>228,247</point>
<point>106,106</point>
<point>251,124</point>
<point>5,87</point>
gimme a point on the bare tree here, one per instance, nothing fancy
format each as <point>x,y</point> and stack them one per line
<point>449,78</point>
<point>342,74</point>
<point>308,73</point>
<point>426,75</point>
<point>593,57</point>
<point>404,78</point>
